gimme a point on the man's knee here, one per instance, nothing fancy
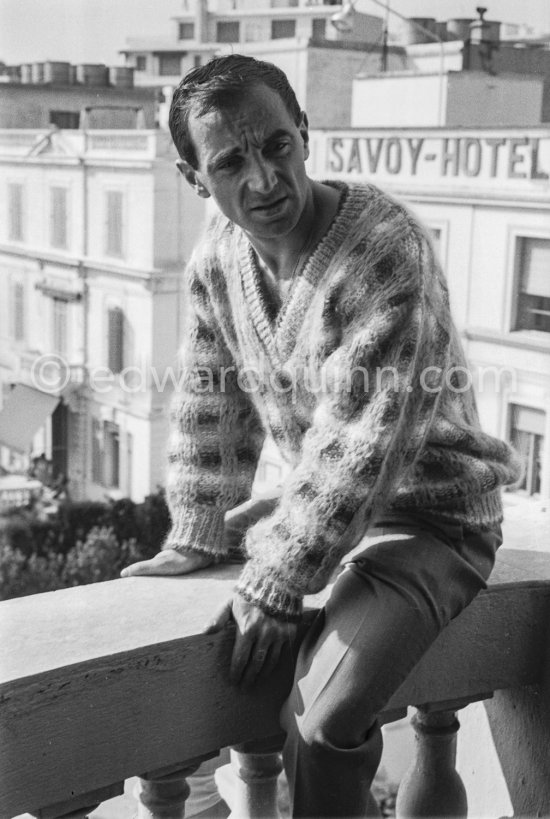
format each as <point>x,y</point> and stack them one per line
<point>329,727</point>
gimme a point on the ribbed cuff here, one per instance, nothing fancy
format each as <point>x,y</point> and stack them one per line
<point>268,594</point>
<point>198,529</point>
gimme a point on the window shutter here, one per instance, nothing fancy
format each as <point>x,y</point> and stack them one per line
<point>58,215</point>
<point>115,340</point>
<point>15,198</point>
<point>114,228</point>
<point>18,312</point>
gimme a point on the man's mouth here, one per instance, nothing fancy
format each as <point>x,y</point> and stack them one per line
<point>271,205</point>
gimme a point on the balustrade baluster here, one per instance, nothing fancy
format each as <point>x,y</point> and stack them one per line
<point>432,786</point>
<point>163,793</point>
<point>251,790</point>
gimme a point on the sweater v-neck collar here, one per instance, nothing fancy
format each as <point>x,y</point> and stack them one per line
<point>278,336</point>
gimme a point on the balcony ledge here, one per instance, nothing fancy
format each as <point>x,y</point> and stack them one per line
<point>103,682</point>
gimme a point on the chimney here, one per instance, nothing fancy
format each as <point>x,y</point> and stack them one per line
<point>201,21</point>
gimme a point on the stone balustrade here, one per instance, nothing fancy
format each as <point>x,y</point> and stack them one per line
<point>103,682</point>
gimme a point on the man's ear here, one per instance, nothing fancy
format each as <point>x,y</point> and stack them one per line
<point>192,178</point>
<point>304,132</point>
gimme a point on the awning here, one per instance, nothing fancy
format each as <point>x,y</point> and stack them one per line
<point>25,411</point>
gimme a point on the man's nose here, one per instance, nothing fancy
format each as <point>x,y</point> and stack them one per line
<point>261,177</point>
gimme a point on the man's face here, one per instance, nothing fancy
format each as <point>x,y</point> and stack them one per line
<point>251,161</point>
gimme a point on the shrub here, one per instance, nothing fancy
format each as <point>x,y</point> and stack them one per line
<point>77,519</point>
<point>98,557</point>
<point>85,542</point>
<point>153,518</point>
<point>21,575</point>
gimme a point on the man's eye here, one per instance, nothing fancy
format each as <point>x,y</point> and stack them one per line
<point>229,164</point>
<point>280,147</point>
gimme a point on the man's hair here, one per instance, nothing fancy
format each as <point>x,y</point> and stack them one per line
<point>217,85</point>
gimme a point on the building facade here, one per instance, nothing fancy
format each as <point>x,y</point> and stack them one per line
<point>48,94</point>
<point>485,196</point>
<point>95,227</point>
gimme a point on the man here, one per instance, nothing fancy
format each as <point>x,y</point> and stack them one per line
<point>317,312</point>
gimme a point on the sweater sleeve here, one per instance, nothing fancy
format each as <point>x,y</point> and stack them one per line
<point>216,436</point>
<point>368,427</point>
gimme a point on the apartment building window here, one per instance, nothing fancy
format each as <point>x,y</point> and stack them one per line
<point>283,28</point>
<point>97,451</point>
<point>141,62</point>
<point>115,340</point>
<point>186,31</point>
<point>111,455</point>
<point>527,435</point>
<point>105,454</point>
<point>169,64</point>
<point>197,61</point>
<point>436,236</point>
<point>65,119</point>
<point>15,212</point>
<point>58,217</point>
<point>60,326</point>
<point>228,32</point>
<point>318,28</point>
<point>533,297</point>
<point>18,311</point>
<point>114,244</point>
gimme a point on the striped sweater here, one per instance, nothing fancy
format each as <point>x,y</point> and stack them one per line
<point>361,380</point>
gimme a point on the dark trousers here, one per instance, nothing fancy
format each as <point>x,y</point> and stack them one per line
<point>409,576</point>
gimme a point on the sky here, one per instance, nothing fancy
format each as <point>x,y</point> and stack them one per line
<point>96,30</point>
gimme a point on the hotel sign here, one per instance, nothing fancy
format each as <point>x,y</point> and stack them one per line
<point>493,155</point>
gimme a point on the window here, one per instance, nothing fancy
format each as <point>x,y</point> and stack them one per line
<point>115,340</point>
<point>283,28</point>
<point>186,31</point>
<point>111,455</point>
<point>435,234</point>
<point>169,64</point>
<point>105,453</point>
<point>227,32</point>
<point>15,214</point>
<point>527,435</point>
<point>141,62</point>
<point>318,29</point>
<point>197,61</point>
<point>18,312</point>
<point>59,307</point>
<point>533,300</point>
<point>113,224</point>
<point>58,217</point>
<point>65,119</point>
<point>97,451</point>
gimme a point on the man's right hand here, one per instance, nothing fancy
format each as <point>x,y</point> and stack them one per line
<point>169,562</point>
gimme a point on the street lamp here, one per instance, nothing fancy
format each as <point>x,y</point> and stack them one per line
<point>344,21</point>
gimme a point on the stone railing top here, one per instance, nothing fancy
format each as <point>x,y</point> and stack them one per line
<point>53,630</point>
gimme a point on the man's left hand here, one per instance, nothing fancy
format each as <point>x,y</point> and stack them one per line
<point>259,639</point>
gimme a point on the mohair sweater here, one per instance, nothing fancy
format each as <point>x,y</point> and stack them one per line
<point>361,439</point>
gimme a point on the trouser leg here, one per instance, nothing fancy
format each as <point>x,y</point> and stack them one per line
<point>384,612</point>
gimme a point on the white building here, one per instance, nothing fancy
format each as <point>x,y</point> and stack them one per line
<point>485,195</point>
<point>319,60</point>
<point>95,227</point>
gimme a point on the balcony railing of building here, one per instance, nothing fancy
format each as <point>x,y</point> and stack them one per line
<point>103,682</point>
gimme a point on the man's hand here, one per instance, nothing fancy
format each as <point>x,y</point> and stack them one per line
<point>259,639</point>
<point>169,562</point>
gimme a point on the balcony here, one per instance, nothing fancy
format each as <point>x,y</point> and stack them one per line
<point>103,682</point>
